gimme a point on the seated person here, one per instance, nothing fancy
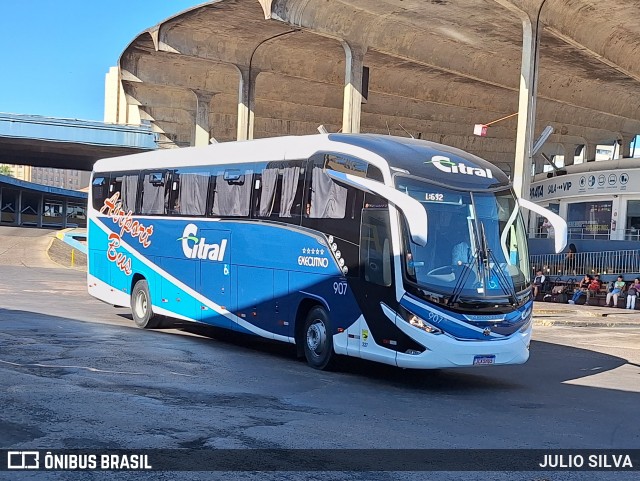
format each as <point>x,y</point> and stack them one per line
<point>538,281</point>
<point>615,290</point>
<point>594,287</point>
<point>632,293</point>
<point>582,289</point>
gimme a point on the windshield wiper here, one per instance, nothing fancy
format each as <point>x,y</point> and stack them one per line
<point>507,287</point>
<point>466,272</point>
<point>478,260</point>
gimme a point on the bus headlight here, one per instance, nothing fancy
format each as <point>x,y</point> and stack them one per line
<point>420,323</point>
<point>525,327</point>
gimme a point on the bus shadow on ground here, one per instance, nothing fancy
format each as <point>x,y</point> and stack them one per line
<point>554,363</point>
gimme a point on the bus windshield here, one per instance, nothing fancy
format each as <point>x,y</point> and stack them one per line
<point>477,248</point>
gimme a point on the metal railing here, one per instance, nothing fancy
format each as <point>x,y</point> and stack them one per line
<point>605,262</point>
<point>632,234</point>
<point>582,233</point>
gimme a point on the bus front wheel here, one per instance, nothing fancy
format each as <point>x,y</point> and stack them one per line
<point>141,306</point>
<point>318,341</point>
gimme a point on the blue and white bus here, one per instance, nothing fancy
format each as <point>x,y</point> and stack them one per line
<point>389,249</point>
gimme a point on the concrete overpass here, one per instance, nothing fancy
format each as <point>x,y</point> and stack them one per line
<point>67,143</point>
<point>236,69</point>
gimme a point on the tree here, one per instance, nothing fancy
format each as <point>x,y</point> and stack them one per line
<point>6,170</point>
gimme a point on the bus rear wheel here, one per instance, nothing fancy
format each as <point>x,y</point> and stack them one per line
<point>318,341</point>
<point>141,310</point>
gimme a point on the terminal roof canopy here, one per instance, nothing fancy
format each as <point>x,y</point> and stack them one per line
<point>435,68</point>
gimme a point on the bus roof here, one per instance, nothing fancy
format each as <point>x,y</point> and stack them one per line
<point>429,160</point>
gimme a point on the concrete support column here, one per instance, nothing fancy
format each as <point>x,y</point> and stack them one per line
<point>625,148</point>
<point>569,153</point>
<point>527,98</point>
<point>64,213</point>
<point>352,106</point>
<point>40,210</point>
<point>526,108</point>
<point>203,104</point>
<point>19,208</point>
<point>111,95</point>
<point>590,152</point>
<point>246,102</point>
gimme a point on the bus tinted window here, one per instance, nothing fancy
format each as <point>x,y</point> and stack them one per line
<point>99,191</point>
<point>281,188</point>
<point>232,191</point>
<point>332,208</point>
<point>153,193</point>
<point>126,186</point>
<point>328,198</point>
<point>375,247</point>
<point>188,192</point>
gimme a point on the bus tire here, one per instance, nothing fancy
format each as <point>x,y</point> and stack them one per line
<point>141,306</point>
<point>317,340</point>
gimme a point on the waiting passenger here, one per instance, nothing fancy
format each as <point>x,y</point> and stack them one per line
<point>632,293</point>
<point>538,282</point>
<point>615,290</point>
<point>582,289</point>
<point>594,287</point>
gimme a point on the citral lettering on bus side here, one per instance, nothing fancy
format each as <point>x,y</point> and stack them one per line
<point>195,247</point>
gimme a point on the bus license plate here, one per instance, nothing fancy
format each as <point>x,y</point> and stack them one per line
<point>484,360</point>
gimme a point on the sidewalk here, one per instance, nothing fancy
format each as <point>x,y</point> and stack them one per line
<point>552,314</point>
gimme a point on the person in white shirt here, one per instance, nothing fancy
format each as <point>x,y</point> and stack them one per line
<point>538,282</point>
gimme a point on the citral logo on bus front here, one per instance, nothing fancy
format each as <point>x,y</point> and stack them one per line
<point>445,164</point>
<point>197,248</point>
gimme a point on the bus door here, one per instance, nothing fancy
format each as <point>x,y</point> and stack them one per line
<point>256,303</point>
<point>172,297</point>
<point>374,285</point>
<point>216,278</point>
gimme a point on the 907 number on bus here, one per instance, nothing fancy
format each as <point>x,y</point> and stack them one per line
<point>340,288</point>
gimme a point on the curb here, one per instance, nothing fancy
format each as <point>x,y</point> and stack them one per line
<point>582,323</point>
<point>587,313</point>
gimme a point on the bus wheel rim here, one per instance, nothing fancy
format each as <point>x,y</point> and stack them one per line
<point>141,304</point>
<point>316,337</point>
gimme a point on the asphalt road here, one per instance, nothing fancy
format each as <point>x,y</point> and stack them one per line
<point>75,373</point>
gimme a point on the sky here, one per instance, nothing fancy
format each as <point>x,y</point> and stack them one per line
<point>55,54</point>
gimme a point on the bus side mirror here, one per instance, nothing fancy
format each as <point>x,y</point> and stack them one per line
<point>558,223</point>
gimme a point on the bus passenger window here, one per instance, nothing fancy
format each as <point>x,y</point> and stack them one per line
<point>153,193</point>
<point>99,192</point>
<point>328,199</point>
<point>281,191</point>
<point>268,196</point>
<point>127,187</point>
<point>291,190</point>
<point>232,195</point>
<point>188,193</point>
